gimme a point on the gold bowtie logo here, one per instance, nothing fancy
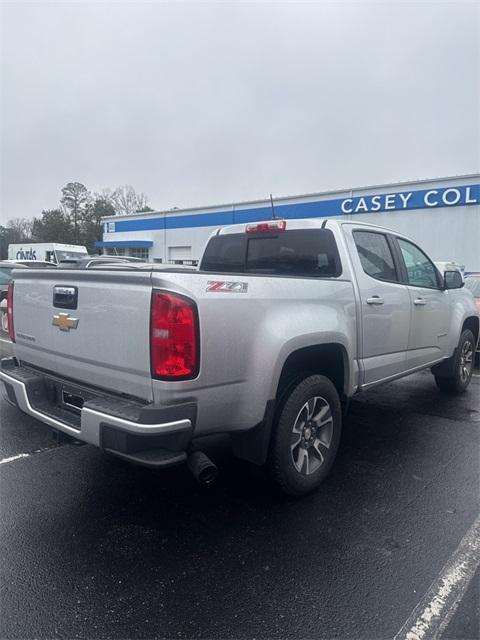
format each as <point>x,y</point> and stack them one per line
<point>64,322</point>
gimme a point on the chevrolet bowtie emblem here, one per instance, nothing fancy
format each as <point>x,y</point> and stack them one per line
<point>64,322</point>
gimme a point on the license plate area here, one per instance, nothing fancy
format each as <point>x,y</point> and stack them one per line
<point>72,401</point>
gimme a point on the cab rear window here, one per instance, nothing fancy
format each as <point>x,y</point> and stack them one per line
<point>299,252</point>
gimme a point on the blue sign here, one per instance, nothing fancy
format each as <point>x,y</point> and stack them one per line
<point>380,203</point>
<point>425,198</point>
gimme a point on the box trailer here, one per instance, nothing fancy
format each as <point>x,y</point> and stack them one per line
<point>47,251</point>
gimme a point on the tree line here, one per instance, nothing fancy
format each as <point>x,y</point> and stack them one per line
<point>76,220</point>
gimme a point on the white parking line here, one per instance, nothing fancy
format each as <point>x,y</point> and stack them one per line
<point>433,613</point>
<point>12,458</point>
<point>19,456</point>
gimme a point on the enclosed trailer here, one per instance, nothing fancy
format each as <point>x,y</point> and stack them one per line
<point>47,251</point>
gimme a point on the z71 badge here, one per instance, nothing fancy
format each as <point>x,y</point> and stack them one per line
<point>227,287</point>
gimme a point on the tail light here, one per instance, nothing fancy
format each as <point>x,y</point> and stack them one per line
<point>274,226</point>
<point>174,343</point>
<point>11,328</point>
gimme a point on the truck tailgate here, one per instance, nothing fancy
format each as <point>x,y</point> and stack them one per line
<point>109,345</point>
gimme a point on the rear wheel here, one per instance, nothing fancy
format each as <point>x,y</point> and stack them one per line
<point>306,436</point>
<point>459,379</point>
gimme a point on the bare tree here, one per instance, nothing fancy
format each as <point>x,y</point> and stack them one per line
<point>105,194</point>
<point>20,229</point>
<point>126,200</point>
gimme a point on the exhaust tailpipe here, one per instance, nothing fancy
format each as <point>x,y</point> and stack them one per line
<point>202,468</point>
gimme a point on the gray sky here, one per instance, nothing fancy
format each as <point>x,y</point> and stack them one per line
<point>205,103</point>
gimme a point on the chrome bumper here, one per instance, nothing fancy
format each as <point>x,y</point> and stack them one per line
<point>94,423</point>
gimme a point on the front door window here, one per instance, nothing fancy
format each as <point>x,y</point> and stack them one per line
<point>421,272</point>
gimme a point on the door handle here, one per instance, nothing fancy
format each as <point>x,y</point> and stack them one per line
<point>375,300</point>
<point>420,302</point>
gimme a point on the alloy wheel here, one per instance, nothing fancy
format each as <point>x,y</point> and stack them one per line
<point>311,435</point>
<point>466,360</point>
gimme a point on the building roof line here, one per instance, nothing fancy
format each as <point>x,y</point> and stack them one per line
<point>349,190</point>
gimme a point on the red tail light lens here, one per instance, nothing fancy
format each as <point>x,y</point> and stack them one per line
<point>274,226</point>
<point>174,347</point>
<point>11,328</point>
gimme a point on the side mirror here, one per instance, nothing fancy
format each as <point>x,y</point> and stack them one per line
<point>453,280</point>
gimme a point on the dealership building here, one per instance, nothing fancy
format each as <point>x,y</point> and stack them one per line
<point>442,215</point>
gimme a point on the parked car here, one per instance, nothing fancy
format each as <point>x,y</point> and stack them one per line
<point>94,261</point>
<point>6,269</point>
<point>282,323</point>
<point>449,265</point>
<point>36,264</point>
<point>472,282</point>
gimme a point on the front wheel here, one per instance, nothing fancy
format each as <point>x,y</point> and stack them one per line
<point>459,379</point>
<point>306,436</point>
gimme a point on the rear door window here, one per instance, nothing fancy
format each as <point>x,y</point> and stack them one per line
<point>375,255</point>
<point>299,252</point>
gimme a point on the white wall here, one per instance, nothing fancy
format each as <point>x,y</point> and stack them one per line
<point>446,233</point>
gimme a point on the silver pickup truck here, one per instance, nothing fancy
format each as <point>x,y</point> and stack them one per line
<point>283,322</point>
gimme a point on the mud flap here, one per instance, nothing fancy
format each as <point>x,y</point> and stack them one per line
<point>446,368</point>
<point>253,445</point>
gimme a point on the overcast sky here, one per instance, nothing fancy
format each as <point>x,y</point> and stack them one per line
<point>203,103</point>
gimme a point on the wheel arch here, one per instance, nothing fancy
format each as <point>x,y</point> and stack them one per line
<point>329,360</point>
<point>446,368</point>
<point>472,323</point>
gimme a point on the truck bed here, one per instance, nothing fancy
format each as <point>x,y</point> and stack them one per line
<point>109,348</point>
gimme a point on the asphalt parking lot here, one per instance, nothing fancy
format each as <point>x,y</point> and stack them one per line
<point>94,548</point>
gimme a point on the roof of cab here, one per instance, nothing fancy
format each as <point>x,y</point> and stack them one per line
<point>306,223</point>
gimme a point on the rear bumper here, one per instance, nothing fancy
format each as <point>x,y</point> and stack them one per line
<point>140,433</point>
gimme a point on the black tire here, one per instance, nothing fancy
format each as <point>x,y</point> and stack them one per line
<point>457,382</point>
<point>322,443</point>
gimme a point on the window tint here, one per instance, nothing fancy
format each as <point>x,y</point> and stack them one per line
<point>421,271</point>
<point>5,276</point>
<point>298,252</point>
<point>311,253</point>
<point>225,253</point>
<point>375,255</point>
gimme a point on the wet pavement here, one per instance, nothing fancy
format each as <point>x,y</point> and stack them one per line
<point>95,548</point>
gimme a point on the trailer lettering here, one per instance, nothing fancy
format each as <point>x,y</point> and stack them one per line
<point>31,254</point>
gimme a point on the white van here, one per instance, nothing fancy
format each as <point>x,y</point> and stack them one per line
<point>46,251</point>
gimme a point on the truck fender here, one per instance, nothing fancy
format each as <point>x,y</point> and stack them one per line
<point>253,445</point>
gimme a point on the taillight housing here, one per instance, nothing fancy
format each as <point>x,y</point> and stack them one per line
<point>273,226</point>
<point>11,328</point>
<point>174,337</point>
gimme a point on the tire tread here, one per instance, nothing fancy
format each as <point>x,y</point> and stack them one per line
<point>281,476</point>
